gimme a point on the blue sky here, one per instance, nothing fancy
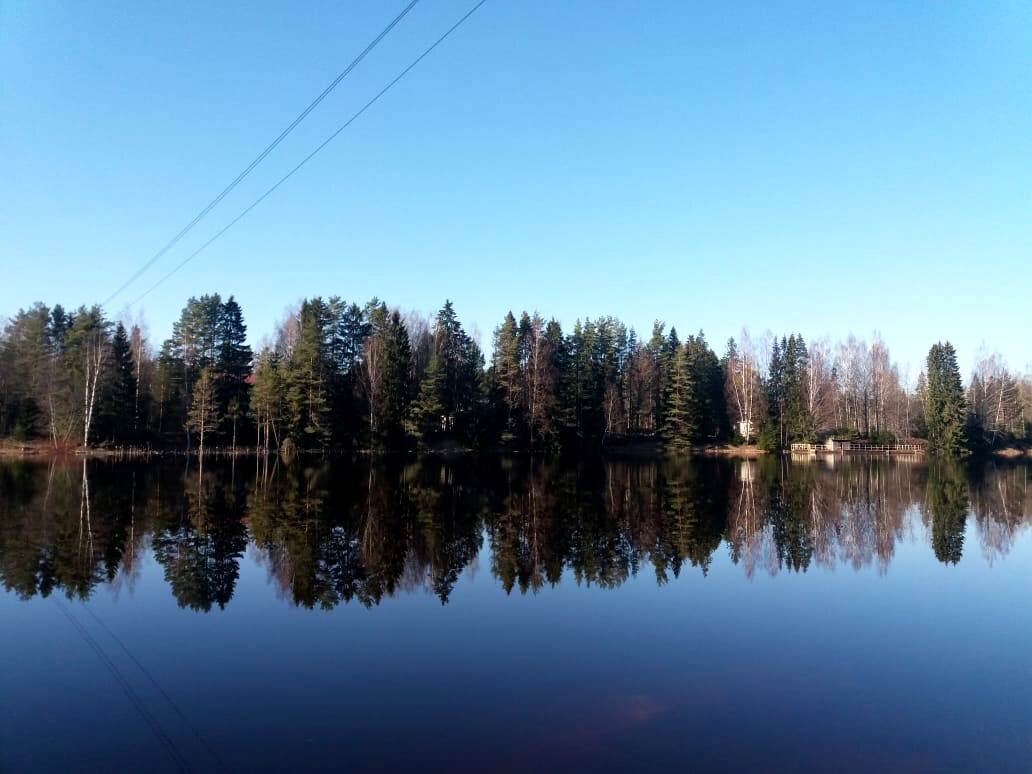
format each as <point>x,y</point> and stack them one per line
<point>821,167</point>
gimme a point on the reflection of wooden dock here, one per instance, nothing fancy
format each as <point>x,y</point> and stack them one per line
<point>850,446</point>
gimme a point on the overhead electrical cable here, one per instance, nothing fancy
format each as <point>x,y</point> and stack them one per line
<point>178,760</point>
<point>175,707</point>
<point>309,157</point>
<point>261,156</point>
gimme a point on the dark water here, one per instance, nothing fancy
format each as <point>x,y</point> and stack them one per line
<point>498,615</point>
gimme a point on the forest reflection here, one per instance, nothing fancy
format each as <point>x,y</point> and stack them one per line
<point>341,531</point>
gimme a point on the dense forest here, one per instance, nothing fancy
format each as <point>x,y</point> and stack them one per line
<point>340,375</point>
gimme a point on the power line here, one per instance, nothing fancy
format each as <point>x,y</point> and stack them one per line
<point>170,746</point>
<point>261,156</point>
<point>310,156</point>
<point>200,738</point>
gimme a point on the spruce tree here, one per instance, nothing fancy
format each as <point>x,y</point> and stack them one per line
<point>680,417</point>
<point>426,418</point>
<point>394,391</point>
<point>708,390</point>
<point>944,404</point>
<point>461,364</point>
<point>798,422</point>
<point>121,388</point>
<point>505,372</point>
<point>232,364</point>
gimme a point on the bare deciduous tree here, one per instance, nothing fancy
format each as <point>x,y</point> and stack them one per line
<point>820,385</point>
<point>994,399</point>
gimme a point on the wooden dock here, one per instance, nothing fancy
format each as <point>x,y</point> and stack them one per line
<point>839,446</point>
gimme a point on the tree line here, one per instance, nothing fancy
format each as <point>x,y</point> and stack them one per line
<point>348,376</point>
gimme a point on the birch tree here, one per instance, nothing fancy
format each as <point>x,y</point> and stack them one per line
<point>994,400</point>
<point>819,389</point>
<point>743,389</point>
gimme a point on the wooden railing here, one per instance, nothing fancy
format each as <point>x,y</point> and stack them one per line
<point>859,446</point>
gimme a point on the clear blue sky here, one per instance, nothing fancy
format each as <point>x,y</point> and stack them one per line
<point>822,167</point>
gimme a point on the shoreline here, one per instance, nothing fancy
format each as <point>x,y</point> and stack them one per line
<point>44,450</point>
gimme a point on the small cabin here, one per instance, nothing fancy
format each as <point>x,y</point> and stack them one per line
<point>838,444</point>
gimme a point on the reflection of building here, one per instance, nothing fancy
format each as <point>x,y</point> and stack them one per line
<point>747,471</point>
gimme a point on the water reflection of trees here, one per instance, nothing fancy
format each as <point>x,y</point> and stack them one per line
<point>334,532</point>
<point>787,516</point>
<point>199,539</point>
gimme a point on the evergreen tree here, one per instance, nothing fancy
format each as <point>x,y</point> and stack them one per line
<point>192,347</point>
<point>946,506</point>
<point>559,364</point>
<point>169,389</point>
<point>708,390</point>
<point>680,414</point>
<point>461,366</point>
<point>203,416</point>
<point>426,420</point>
<point>306,379</point>
<point>31,377</point>
<point>776,396</point>
<point>394,394</point>
<point>268,398</point>
<point>505,376</point>
<point>944,404</point>
<point>58,326</point>
<point>232,364</point>
<point>799,424</point>
<point>119,398</point>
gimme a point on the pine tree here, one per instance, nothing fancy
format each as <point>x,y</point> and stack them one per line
<point>32,378</point>
<point>192,347</point>
<point>268,398</point>
<point>203,416</point>
<point>306,379</point>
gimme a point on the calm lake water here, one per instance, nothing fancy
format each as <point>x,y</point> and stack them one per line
<point>500,615</point>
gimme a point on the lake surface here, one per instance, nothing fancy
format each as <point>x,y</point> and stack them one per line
<point>504,615</point>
